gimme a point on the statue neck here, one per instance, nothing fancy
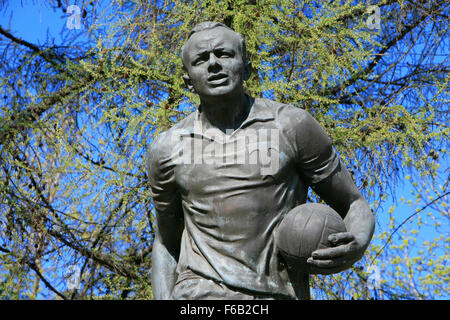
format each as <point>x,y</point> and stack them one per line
<point>225,114</point>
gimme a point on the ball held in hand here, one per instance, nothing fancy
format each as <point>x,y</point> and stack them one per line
<point>304,230</point>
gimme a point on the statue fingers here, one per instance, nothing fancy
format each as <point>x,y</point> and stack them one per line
<point>329,253</point>
<point>340,238</point>
<point>327,266</point>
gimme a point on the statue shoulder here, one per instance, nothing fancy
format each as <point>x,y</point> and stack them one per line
<point>287,115</point>
<point>162,144</point>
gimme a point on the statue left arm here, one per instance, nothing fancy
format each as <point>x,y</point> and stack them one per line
<point>340,192</point>
<point>319,165</point>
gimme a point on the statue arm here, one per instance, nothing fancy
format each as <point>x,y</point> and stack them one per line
<point>320,166</point>
<point>340,192</point>
<point>169,222</point>
<point>346,248</point>
<point>166,249</point>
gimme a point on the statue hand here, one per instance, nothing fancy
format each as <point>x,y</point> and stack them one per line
<point>345,250</point>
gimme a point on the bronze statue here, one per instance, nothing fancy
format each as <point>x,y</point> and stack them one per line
<point>223,178</point>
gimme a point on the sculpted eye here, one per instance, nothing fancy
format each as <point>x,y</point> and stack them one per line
<point>224,54</point>
<point>200,59</point>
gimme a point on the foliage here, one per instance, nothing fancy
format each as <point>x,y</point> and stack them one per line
<point>76,118</point>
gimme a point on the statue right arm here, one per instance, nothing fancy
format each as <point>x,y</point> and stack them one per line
<point>169,222</point>
<point>166,249</point>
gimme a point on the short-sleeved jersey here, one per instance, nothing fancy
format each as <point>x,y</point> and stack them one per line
<point>234,189</point>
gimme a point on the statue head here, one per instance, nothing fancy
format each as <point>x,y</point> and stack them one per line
<point>215,59</point>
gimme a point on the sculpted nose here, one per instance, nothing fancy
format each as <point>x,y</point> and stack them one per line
<point>213,63</point>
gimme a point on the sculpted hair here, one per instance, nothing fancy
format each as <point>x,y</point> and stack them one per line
<point>206,25</point>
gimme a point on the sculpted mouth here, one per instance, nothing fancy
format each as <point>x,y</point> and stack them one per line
<point>218,76</point>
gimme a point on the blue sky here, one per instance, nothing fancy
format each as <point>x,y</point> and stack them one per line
<point>33,22</point>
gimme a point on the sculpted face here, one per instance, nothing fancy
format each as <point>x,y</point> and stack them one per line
<point>214,62</point>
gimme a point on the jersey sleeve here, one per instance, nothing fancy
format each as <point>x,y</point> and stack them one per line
<point>160,170</point>
<point>316,159</point>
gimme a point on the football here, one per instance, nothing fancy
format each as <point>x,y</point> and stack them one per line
<point>305,229</point>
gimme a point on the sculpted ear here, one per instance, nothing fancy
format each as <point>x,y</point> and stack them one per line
<point>248,70</point>
<point>188,83</point>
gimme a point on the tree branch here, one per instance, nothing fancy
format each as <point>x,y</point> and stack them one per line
<point>378,56</point>
<point>406,220</point>
<point>33,266</point>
